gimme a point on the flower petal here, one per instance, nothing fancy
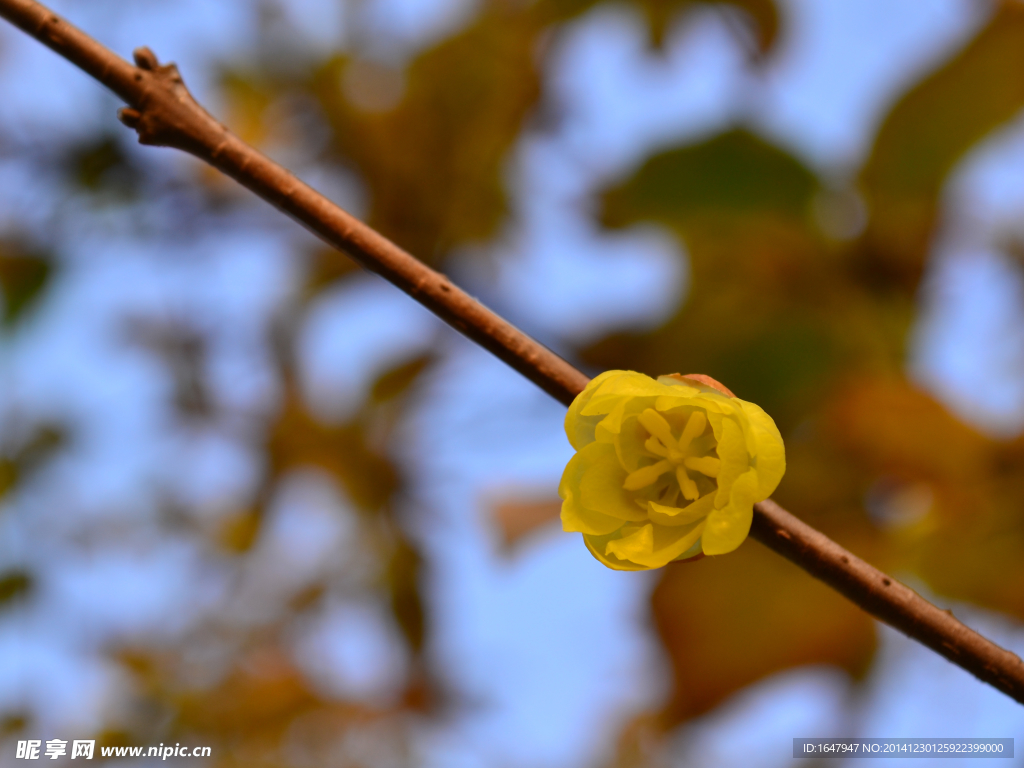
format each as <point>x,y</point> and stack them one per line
<point>622,426</point>
<point>653,545</point>
<point>726,528</point>
<point>765,444</point>
<point>693,551</point>
<point>575,516</point>
<point>578,519</point>
<point>733,455</point>
<point>601,484</point>
<point>712,401</point>
<point>629,385</point>
<point>597,545</point>
<point>676,516</point>
<point>630,444</point>
<point>580,431</point>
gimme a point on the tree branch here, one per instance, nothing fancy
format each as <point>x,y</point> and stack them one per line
<point>164,113</point>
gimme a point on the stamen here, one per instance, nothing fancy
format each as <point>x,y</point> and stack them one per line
<point>655,423</point>
<point>655,446</point>
<point>694,427</point>
<point>646,475</point>
<point>686,484</point>
<point>706,465</point>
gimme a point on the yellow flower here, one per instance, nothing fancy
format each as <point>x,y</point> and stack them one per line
<point>665,470</point>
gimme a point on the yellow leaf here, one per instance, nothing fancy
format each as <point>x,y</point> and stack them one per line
<point>729,622</point>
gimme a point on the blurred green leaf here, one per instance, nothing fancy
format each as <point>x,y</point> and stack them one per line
<point>766,22</point>
<point>403,581</point>
<point>102,165</point>
<point>8,475</point>
<point>351,452</point>
<point>735,172</point>
<point>248,97</point>
<point>433,163</point>
<point>13,723</point>
<point>952,509</point>
<point>328,267</point>
<point>183,351</point>
<point>298,440</point>
<point>113,738</point>
<point>238,532</point>
<point>927,132</point>
<point>14,585</point>
<point>397,380</point>
<point>21,458</point>
<point>727,622</point>
<point>763,296</point>
<point>23,276</point>
<point>816,332</point>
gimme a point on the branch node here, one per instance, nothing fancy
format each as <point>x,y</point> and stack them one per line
<point>145,58</point>
<point>129,117</point>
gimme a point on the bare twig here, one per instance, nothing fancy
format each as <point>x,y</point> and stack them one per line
<point>164,113</point>
<point>887,599</point>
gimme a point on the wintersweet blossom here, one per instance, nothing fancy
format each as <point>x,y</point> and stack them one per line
<point>665,470</point>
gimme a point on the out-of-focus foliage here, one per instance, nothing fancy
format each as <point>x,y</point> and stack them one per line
<point>924,135</point>
<point>100,165</point>
<point>755,20</point>
<point>516,518</point>
<point>728,622</point>
<point>23,276</point>
<point>259,707</point>
<point>810,324</point>
<point>20,454</point>
<point>298,439</point>
<point>816,331</point>
<point>442,184</point>
<point>14,585</point>
<point>183,352</point>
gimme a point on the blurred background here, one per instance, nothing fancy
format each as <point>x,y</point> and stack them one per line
<point>254,498</point>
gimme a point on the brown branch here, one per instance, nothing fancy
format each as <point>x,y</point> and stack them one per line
<point>887,599</point>
<point>165,114</point>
